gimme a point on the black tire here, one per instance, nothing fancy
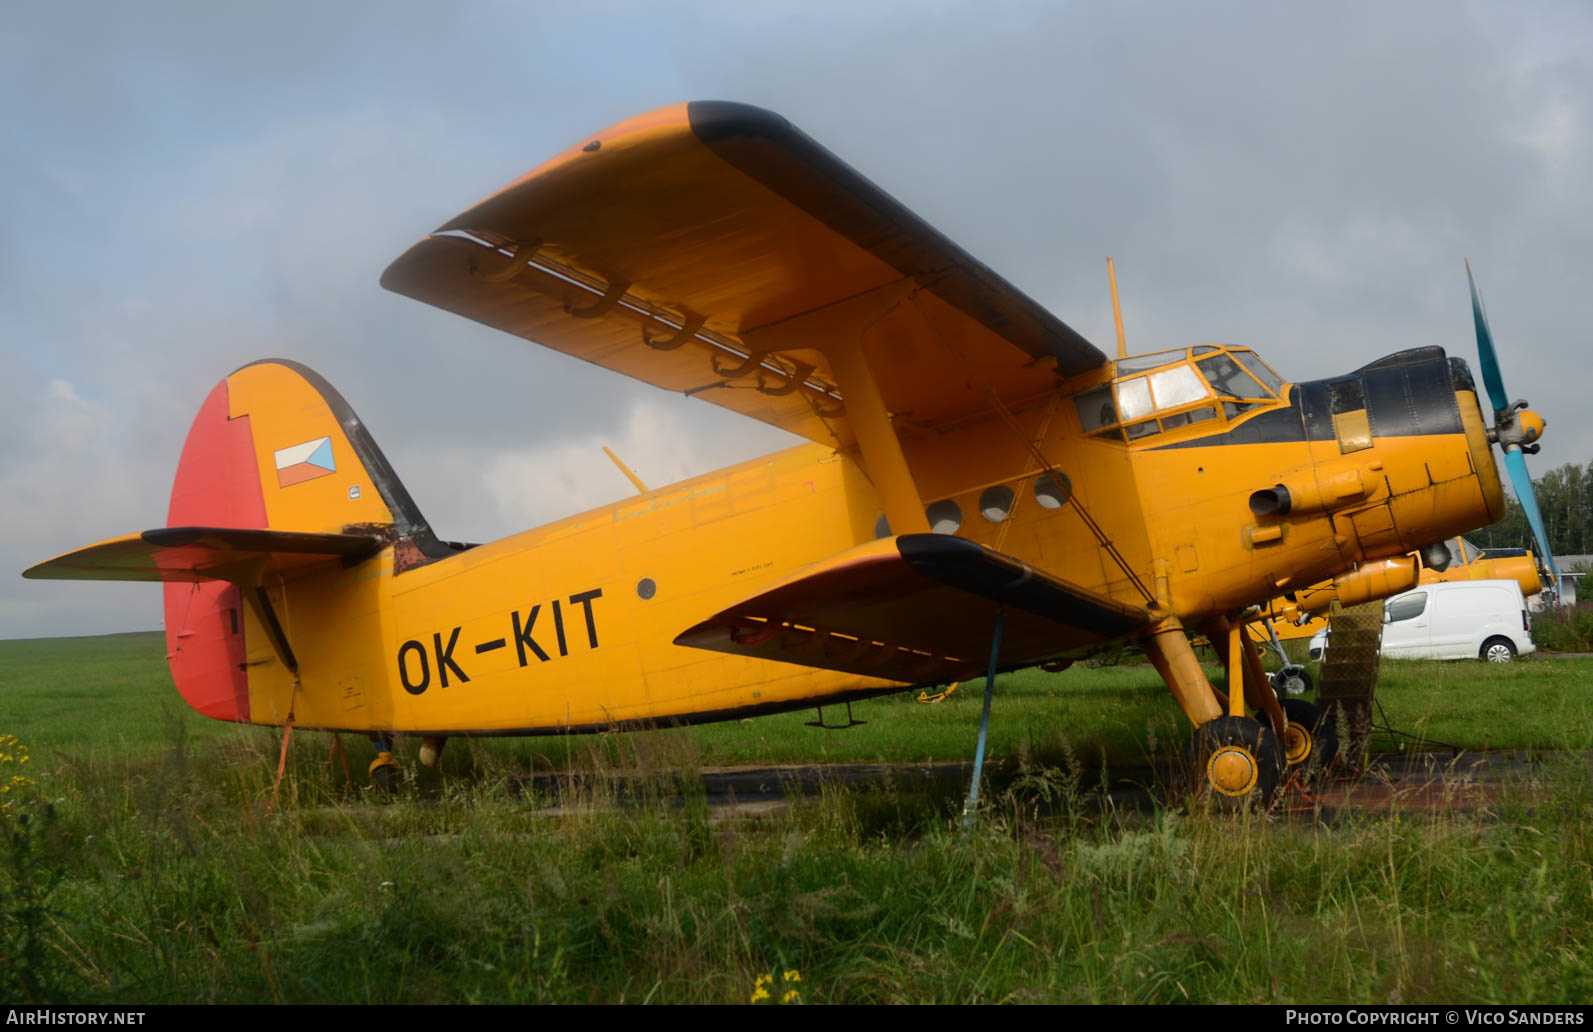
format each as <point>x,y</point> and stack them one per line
<point>1497,650</point>
<point>1321,737</point>
<point>1291,680</point>
<point>1233,763</point>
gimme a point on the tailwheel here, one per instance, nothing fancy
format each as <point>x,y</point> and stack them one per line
<point>1234,762</point>
<point>385,773</point>
<point>1312,742</point>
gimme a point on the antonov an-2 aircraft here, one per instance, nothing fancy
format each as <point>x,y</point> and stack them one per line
<point>984,489</point>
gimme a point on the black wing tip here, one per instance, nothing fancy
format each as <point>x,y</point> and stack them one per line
<point>715,120</point>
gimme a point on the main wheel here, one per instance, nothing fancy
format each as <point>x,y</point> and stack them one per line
<point>1234,762</point>
<point>1311,740</point>
<point>1498,650</point>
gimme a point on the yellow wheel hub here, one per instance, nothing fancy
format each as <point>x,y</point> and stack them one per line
<point>1232,770</point>
<point>1296,744</point>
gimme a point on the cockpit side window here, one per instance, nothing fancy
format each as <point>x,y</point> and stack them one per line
<point>1176,386</point>
<point>1097,410</point>
<point>1178,419</point>
<point>1134,398</point>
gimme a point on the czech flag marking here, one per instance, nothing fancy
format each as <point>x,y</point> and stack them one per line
<point>304,462</point>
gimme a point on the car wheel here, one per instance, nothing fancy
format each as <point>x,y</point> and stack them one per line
<point>1498,650</point>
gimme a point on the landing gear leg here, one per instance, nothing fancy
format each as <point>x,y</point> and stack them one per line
<point>1233,760</point>
<point>385,771</point>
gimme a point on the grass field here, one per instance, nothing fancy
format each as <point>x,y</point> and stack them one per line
<point>140,865</point>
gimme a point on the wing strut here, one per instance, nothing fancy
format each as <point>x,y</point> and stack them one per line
<point>839,330</point>
<point>984,725</point>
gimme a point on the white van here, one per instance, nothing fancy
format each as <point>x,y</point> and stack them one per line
<point>1482,619</point>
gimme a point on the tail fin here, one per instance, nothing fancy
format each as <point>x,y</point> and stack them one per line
<point>278,466</point>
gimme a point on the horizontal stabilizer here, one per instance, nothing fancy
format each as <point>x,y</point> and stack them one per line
<point>918,608</point>
<point>189,554</point>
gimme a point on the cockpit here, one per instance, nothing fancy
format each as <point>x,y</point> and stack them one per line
<point>1169,390</point>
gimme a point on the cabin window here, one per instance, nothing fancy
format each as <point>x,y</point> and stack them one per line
<point>945,517</point>
<point>996,503</point>
<point>1137,430</point>
<point>1407,607</point>
<point>1052,492</point>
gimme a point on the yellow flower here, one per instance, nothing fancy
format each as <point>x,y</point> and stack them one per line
<point>790,996</point>
<point>760,994</point>
<point>793,975</point>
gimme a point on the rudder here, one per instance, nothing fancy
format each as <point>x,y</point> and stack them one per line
<point>274,447</point>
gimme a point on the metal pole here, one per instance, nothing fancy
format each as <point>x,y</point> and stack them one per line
<point>984,726</point>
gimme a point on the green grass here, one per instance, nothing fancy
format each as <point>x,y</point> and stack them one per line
<point>148,871</point>
<point>113,696</point>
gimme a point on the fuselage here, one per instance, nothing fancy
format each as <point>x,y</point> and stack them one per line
<point>572,625</point>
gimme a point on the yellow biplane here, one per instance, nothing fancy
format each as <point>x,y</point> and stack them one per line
<point>984,489</point>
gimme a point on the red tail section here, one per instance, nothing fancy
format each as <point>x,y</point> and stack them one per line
<point>217,485</point>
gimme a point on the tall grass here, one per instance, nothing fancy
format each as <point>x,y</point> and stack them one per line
<point>165,881</point>
<point>1564,630</point>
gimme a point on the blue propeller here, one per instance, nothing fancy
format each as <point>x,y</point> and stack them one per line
<point>1510,431</point>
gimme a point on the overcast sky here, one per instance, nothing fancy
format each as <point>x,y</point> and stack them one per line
<point>189,186</point>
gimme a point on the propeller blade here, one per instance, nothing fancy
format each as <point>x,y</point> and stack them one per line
<point>1517,464</point>
<point>1486,358</point>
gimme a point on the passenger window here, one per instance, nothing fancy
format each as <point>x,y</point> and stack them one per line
<point>1138,430</point>
<point>1406,607</point>
<point>996,503</point>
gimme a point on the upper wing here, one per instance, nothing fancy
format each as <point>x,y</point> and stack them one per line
<point>660,247</point>
<point>191,554</point>
<point>917,608</point>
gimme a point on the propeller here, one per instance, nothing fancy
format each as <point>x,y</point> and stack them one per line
<point>1516,429</point>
